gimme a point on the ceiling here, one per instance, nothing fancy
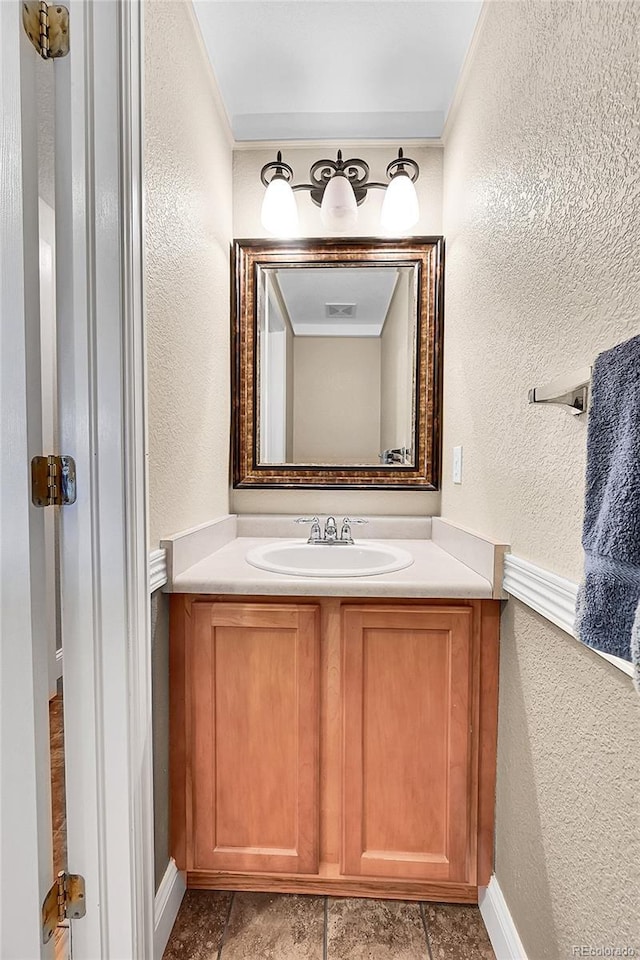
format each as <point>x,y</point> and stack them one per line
<point>350,302</point>
<point>337,69</point>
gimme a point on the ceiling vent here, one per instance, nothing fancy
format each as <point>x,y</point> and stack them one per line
<point>340,311</point>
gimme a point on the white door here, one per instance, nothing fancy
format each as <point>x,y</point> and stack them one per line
<point>103,565</point>
<point>25,808</point>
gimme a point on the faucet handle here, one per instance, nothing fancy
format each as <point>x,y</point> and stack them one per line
<point>345,533</point>
<point>315,535</point>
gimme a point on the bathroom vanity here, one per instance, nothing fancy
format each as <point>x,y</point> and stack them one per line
<point>334,744</point>
<point>334,705</point>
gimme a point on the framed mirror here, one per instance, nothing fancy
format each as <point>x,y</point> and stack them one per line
<point>337,363</point>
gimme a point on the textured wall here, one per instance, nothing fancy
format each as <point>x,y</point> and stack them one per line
<point>188,164</point>
<point>567,812</point>
<point>541,211</point>
<point>46,85</point>
<point>188,235</point>
<point>247,201</point>
<point>543,263</point>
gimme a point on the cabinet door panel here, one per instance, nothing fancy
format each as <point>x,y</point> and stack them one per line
<point>407,747</point>
<point>255,722</point>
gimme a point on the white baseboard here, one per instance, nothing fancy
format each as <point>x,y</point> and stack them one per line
<point>504,937</point>
<point>168,899</point>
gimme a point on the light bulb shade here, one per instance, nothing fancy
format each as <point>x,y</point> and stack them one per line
<point>339,210</point>
<point>279,209</point>
<point>400,208</point>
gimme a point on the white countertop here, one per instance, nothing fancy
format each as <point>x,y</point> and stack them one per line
<point>434,573</point>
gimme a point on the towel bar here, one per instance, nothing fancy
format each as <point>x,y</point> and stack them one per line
<point>570,390</point>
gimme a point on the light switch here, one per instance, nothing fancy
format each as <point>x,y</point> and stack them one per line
<point>457,465</point>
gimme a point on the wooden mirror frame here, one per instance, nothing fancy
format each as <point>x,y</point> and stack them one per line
<point>427,253</point>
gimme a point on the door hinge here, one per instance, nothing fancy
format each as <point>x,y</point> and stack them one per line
<point>65,901</point>
<point>47,26</point>
<point>53,481</point>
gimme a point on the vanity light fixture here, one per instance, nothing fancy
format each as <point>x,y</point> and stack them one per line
<point>338,187</point>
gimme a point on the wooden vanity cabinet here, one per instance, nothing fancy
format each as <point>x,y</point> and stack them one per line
<point>407,691</point>
<point>334,746</point>
<point>252,674</point>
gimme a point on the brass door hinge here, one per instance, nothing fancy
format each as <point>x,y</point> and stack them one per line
<point>65,901</point>
<point>47,26</point>
<point>53,481</point>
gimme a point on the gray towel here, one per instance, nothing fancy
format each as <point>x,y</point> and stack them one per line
<point>610,592</point>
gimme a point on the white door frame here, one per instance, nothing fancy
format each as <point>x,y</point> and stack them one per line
<point>104,567</point>
<point>104,574</point>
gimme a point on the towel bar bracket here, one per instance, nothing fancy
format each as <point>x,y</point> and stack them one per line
<point>575,400</point>
<point>571,391</point>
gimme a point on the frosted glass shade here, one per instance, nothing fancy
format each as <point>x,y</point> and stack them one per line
<point>400,208</point>
<point>279,209</point>
<point>339,210</point>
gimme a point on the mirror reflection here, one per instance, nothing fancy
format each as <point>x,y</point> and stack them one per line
<point>336,364</point>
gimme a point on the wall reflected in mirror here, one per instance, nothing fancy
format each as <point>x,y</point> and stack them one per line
<point>336,365</point>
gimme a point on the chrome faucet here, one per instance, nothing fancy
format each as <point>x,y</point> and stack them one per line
<point>396,455</point>
<point>330,530</point>
<point>330,534</point>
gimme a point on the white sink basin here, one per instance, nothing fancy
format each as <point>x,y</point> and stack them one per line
<point>299,559</point>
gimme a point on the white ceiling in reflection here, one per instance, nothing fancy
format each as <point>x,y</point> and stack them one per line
<point>337,69</point>
<point>349,302</point>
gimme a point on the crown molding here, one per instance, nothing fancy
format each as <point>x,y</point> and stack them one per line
<point>218,102</point>
<point>391,142</point>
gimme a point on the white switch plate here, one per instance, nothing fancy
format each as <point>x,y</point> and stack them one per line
<point>457,465</point>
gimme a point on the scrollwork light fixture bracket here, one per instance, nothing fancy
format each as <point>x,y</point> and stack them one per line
<point>350,183</point>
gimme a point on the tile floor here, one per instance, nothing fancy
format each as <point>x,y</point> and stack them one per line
<point>261,926</point>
